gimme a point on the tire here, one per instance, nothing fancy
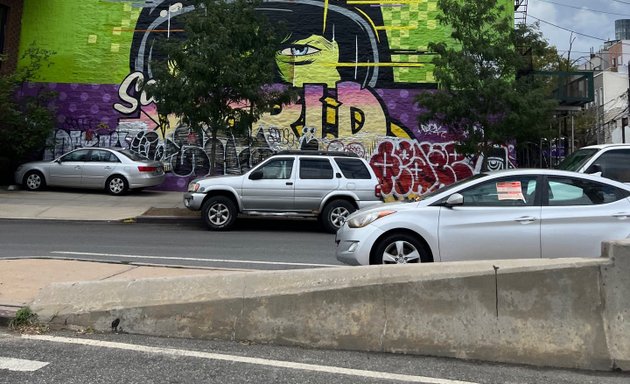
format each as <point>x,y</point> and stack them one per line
<point>116,185</point>
<point>34,181</point>
<point>400,248</point>
<point>219,213</point>
<point>335,214</point>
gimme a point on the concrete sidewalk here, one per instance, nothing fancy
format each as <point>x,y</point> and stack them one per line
<point>91,205</point>
<point>22,279</point>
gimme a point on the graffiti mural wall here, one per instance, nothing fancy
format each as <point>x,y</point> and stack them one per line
<point>358,66</point>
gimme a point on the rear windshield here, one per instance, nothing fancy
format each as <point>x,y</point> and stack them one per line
<point>577,159</point>
<point>132,155</point>
<point>353,168</point>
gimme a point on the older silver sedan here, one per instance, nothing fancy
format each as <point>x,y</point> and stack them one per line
<point>522,213</point>
<point>115,170</point>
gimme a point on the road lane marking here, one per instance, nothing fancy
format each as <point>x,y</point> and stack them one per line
<point>193,259</point>
<point>21,365</point>
<point>248,360</point>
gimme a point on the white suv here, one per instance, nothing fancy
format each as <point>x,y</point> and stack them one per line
<point>326,185</point>
<point>610,160</point>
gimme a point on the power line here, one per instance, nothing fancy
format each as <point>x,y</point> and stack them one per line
<point>567,29</point>
<point>586,9</point>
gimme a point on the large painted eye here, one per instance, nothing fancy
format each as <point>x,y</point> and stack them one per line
<point>299,50</point>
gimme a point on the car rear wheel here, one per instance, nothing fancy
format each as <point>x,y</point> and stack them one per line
<point>400,249</point>
<point>219,213</point>
<point>335,214</point>
<point>117,185</point>
<point>34,181</point>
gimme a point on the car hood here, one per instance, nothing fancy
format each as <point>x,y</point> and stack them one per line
<point>36,163</point>
<point>219,179</point>
<point>397,206</point>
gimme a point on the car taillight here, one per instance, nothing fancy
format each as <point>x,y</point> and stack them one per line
<point>143,168</point>
<point>378,191</point>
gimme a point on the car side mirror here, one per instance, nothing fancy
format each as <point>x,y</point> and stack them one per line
<point>256,175</point>
<point>595,168</point>
<point>454,199</point>
<point>58,161</point>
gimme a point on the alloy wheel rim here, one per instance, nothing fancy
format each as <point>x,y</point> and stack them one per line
<point>116,185</point>
<point>219,214</point>
<point>400,252</point>
<point>33,181</point>
<point>338,216</point>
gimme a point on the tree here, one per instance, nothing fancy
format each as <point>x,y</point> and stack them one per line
<point>220,70</point>
<point>26,119</point>
<point>487,94</point>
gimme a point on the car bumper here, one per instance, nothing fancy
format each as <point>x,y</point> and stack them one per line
<point>193,201</point>
<point>146,181</point>
<point>354,244</point>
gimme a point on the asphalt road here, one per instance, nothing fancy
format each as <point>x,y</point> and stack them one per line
<point>68,357</point>
<point>120,358</point>
<point>253,244</point>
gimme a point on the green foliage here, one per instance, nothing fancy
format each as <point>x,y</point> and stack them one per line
<point>485,94</point>
<point>27,321</point>
<point>25,121</point>
<point>220,69</point>
<point>24,317</point>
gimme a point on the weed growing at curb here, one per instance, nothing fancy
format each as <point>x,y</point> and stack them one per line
<point>27,321</point>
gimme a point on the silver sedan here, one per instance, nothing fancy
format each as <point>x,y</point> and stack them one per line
<point>522,213</point>
<point>115,170</point>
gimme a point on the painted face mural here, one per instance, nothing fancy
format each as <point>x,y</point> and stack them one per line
<point>358,68</point>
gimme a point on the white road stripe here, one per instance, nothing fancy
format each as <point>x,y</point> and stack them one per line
<point>21,365</point>
<point>248,360</point>
<point>194,259</point>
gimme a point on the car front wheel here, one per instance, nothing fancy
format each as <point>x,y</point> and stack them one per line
<point>34,181</point>
<point>116,185</point>
<point>335,214</point>
<point>400,249</point>
<point>219,213</point>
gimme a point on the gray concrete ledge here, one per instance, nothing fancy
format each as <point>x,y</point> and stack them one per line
<point>559,312</point>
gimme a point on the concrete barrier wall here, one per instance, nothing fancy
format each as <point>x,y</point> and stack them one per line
<point>562,313</point>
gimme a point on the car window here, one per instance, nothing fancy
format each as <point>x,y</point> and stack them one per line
<point>102,156</point>
<point>615,164</point>
<point>315,169</point>
<point>132,155</point>
<point>506,191</point>
<point>353,168</point>
<point>564,191</point>
<point>577,159</point>
<point>277,169</point>
<point>78,155</point>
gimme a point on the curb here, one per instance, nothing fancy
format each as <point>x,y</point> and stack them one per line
<point>163,219</point>
<point>7,313</point>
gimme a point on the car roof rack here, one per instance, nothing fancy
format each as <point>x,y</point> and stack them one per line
<point>317,153</point>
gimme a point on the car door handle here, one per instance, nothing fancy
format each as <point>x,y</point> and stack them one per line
<point>289,183</point>
<point>108,167</point>
<point>525,219</point>
<point>621,215</point>
<point>77,167</point>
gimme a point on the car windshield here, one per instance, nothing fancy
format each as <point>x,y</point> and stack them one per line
<point>454,185</point>
<point>132,155</point>
<point>574,161</point>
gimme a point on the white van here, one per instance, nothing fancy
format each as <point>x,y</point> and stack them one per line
<point>610,160</point>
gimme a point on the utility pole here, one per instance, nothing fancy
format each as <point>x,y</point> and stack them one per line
<point>624,121</point>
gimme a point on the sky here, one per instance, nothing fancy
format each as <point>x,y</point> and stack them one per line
<point>592,23</point>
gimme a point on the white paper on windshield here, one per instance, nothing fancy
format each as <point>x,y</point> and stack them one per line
<point>510,190</point>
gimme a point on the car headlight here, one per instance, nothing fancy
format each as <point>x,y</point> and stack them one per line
<point>193,187</point>
<point>364,219</point>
